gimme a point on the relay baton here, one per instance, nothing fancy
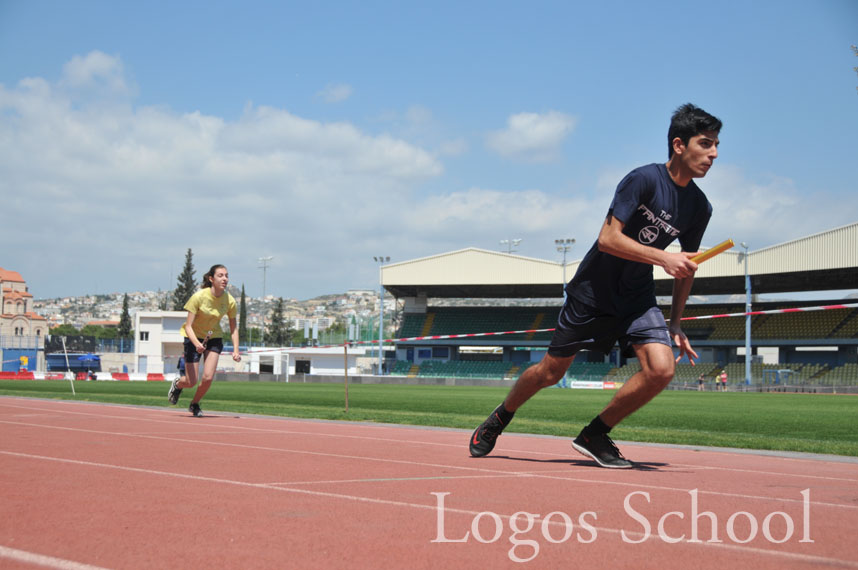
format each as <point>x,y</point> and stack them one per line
<point>713,251</point>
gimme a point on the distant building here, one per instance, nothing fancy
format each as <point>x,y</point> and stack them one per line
<point>158,345</point>
<point>22,332</point>
<point>317,323</point>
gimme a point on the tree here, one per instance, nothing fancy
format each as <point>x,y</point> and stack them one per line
<point>278,332</point>
<point>124,320</point>
<point>91,330</point>
<point>65,330</point>
<point>254,335</point>
<point>242,318</point>
<point>186,284</point>
<point>339,327</point>
<point>107,333</point>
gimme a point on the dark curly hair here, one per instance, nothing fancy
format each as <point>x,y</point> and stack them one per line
<point>689,121</point>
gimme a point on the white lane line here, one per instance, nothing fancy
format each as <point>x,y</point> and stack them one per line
<point>601,481</point>
<point>238,428</point>
<point>792,556</point>
<point>43,560</point>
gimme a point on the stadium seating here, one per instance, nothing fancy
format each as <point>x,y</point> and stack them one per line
<point>844,375</point>
<point>848,328</point>
<point>589,371</point>
<point>803,325</point>
<point>464,320</point>
<point>400,368</point>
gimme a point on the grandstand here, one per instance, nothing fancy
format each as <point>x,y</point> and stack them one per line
<point>477,291</point>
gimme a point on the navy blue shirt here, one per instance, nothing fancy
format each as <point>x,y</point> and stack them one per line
<point>655,212</point>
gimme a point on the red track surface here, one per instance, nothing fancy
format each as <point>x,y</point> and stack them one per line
<point>87,485</point>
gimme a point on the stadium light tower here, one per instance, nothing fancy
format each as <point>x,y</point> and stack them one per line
<point>510,243</point>
<point>264,267</point>
<point>381,260</point>
<point>747,318</point>
<point>564,246</point>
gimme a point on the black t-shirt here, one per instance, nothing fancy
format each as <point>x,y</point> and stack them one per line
<point>655,212</point>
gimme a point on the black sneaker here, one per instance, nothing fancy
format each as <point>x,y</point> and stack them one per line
<point>484,437</point>
<point>173,394</point>
<point>602,450</point>
<point>195,409</point>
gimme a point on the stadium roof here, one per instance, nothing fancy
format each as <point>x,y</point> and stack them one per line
<point>825,261</point>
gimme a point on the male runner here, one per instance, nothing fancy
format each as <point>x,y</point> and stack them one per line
<point>611,298</point>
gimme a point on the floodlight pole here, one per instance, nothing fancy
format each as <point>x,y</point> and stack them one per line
<point>264,267</point>
<point>747,319</point>
<point>380,260</point>
<point>564,246</point>
<point>510,243</point>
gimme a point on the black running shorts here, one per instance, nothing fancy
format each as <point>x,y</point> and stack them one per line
<point>191,354</point>
<point>580,327</point>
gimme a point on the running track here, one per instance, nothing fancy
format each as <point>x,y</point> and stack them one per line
<point>104,486</point>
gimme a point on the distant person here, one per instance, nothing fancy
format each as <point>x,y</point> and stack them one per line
<point>205,309</point>
<point>611,298</point>
<point>723,380</point>
<point>701,380</point>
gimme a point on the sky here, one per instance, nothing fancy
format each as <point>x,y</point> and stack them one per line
<point>324,134</point>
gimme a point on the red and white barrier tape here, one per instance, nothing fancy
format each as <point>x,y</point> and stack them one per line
<point>774,311</point>
<point>534,331</point>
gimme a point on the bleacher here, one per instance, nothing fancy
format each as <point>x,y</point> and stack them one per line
<point>460,320</point>
<point>833,323</point>
<point>589,370</point>
<point>804,325</point>
<point>493,369</point>
<point>844,375</point>
<point>686,376</point>
<point>465,369</point>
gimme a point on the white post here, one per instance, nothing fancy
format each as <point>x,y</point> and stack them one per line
<point>747,319</point>
<point>381,260</point>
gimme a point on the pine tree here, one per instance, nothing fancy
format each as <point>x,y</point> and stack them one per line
<point>242,318</point>
<point>186,284</point>
<point>125,320</point>
<point>277,333</point>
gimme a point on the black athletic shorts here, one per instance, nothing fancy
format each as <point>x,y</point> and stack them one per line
<point>191,354</point>
<point>580,327</point>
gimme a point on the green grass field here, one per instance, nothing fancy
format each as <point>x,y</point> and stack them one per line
<point>813,423</point>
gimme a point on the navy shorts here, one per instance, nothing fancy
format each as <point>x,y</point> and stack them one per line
<point>580,327</point>
<point>191,354</point>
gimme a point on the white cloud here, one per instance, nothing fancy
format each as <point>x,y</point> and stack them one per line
<point>532,137</point>
<point>335,93</point>
<point>109,197</point>
<point>96,73</point>
<point>480,217</point>
<point>123,191</point>
<point>454,147</point>
<point>763,211</point>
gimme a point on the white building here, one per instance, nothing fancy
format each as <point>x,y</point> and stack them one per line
<point>159,341</point>
<point>159,346</point>
<point>307,360</point>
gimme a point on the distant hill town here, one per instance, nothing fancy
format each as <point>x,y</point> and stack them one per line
<point>104,309</point>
